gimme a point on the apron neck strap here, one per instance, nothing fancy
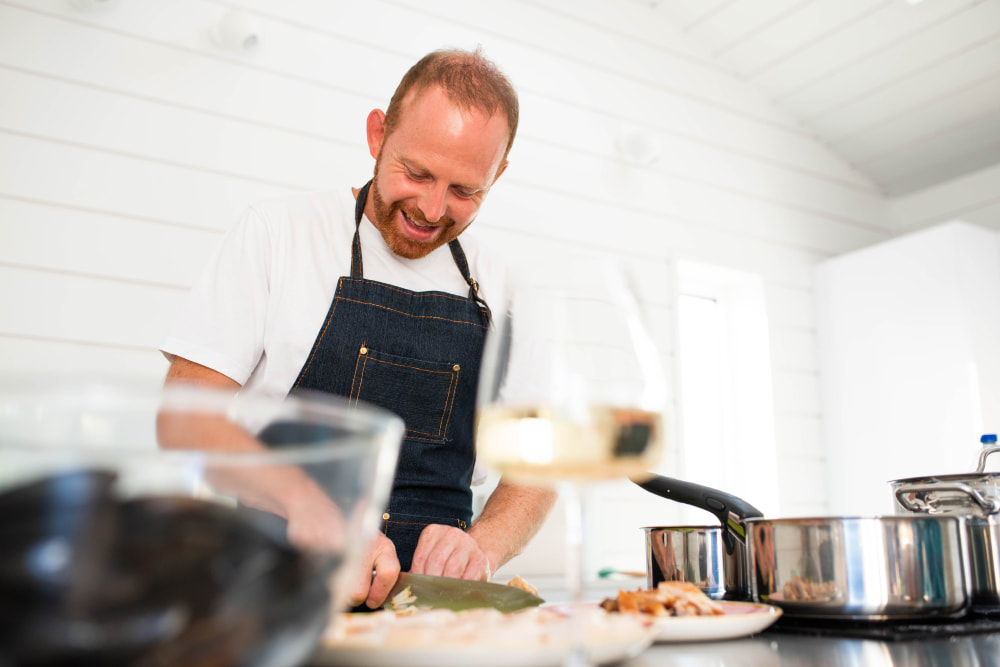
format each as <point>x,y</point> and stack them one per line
<point>463,265</point>
<point>357,266</point>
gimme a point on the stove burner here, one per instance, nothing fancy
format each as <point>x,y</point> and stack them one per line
<point>889,630</point>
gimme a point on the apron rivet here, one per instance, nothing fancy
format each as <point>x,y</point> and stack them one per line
<point>385,516</point>
<point>364,350</point>
<point>455,368</point>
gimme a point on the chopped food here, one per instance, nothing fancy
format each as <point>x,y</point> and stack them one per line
<point>402,602</point>
<point>518,582</point>
<point>669,598</point>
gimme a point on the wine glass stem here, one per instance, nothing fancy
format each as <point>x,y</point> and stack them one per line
<point>573,497</point>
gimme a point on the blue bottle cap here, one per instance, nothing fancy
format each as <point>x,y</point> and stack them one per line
<point>988,438</point>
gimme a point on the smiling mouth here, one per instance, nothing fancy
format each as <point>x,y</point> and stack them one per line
<point>417,230</point>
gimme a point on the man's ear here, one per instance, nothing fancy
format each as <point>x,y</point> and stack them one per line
<point>376,131</point>
<point>501,170</point>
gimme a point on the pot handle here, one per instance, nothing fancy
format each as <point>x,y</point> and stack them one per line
<point>984,453</point>
<point>989,503</point>
<point>730,509</point>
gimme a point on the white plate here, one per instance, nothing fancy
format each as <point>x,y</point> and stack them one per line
<point>438,649</point>
<point>740,619</point>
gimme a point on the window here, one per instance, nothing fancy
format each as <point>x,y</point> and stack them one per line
<point>726,413</point>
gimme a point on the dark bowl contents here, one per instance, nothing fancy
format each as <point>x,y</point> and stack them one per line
<point>86,578</point>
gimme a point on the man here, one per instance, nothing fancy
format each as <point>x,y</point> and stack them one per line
<point>306,290</point>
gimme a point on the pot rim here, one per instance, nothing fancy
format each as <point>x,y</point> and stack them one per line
<point>988,477</point>
<point>690,527</point>
<point>876,518</point>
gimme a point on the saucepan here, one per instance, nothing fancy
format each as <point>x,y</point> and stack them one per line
<point>714,558</point>
<point>975,497</point>
<point>877,567</point>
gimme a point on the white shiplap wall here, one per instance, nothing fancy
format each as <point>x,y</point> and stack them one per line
<point>129,141</point>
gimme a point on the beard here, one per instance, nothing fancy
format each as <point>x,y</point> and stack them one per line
<point>387,215</point>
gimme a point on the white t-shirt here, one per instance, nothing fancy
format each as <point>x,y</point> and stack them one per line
<point>255,311</point>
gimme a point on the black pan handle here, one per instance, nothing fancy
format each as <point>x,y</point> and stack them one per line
<point>731,510</point>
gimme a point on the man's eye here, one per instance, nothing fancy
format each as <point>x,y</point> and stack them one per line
<point>465,194</point>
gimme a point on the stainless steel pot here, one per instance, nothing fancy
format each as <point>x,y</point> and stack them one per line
<point>976,498</point>
<point>860,567</point>
<point>969,494</point>
<point>835,567</point>
<point>697,554</point>
<point>713,558</point>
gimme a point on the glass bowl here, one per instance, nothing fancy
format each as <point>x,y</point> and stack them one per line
<point>142,524</point>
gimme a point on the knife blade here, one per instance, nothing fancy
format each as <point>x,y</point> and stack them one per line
<point>460,594</point>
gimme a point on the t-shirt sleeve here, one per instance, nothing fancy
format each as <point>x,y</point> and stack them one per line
<point>222,323</point>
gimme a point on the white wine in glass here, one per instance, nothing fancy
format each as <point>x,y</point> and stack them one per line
<point>543,444</point>
<point>572,390</point>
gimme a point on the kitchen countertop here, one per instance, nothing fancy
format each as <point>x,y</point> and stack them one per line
<point>770,649</point>
<point>773,648</point>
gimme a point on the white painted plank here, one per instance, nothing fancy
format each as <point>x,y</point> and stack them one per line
<point>40,355</point>
<point>94,180</point>
<point>184,26</point>
<point>970,147</point>
<point>617,229</point>
<point>627,191</point>
<point>177,77</point>
<point>636,21</point>
<point>869,57</point>
<point>796,32</point>
<point>977,192</point>
<point>961,107</point>
<point>68,240</point>
<point>890,99</point>
<point>188,139</point>
<point>72,308</point>
<point>748,36</point>
<point>689,14</point>
<point>795,75</point>
<point>561,123</point>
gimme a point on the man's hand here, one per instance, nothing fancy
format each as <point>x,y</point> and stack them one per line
<point>447,551</point>
<point>380,559</point>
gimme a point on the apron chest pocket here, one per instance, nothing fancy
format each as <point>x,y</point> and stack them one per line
<point>421,392</point>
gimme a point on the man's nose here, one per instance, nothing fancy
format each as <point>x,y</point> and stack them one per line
<point>434,201</point>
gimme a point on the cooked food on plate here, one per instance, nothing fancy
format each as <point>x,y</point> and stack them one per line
<point>669,598</point>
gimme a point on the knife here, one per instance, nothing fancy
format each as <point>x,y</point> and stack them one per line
<point>460,594</point>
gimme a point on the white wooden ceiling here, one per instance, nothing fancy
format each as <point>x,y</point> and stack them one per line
<point>908,92</point>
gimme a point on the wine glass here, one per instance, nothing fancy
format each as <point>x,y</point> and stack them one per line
<point>572,390</point>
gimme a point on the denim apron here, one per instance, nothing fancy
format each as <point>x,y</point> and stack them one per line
<point>416,354</point>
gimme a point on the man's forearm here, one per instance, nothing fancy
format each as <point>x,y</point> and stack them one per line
<point>511,517</point>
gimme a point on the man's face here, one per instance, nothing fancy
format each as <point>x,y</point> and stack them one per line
<point>433,172</point>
